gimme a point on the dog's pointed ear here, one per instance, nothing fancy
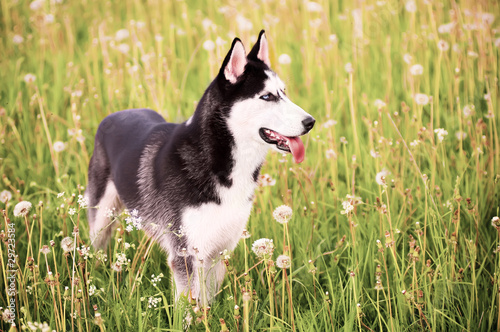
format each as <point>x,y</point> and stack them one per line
<point>235,61</point>
<point>260,50</point>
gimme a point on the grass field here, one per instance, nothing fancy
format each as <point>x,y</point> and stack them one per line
<point>394,224</point>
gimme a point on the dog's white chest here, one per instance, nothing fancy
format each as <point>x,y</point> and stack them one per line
<point>212,227</point>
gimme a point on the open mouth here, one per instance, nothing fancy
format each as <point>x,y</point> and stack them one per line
<point>292,145</point>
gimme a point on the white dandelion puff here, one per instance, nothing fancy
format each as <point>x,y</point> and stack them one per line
<point>208,45</point>
<point>283,262</point>
<point>29,78</point>
<point>284,59</point>
<point>59,146</point>
<point>22,209</point>
<point>283,214</point>
<point>421,99</point>
<point>263,248</point>
<point>5,196</point>
<point>380,178</point>
<point>122,34</point>
<point>17,39</point>
<point>416,69</point>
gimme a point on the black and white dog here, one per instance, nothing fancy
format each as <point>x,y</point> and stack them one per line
<point>196,178</point>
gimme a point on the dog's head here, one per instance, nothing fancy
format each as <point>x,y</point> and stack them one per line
<point>260,111</point>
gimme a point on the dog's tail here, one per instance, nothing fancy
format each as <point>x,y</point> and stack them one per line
<point>104,202</point>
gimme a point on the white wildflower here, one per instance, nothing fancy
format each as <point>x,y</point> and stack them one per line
<point>5,196</point>
<point>379,104</point>
<point>380,178</point>
<point>263,248</point>
<point>468,110</point>
<point>329,123</point>
<point>374,153</point>
<point>330,153</point>
<point>122,34</point>
<point>29,78</point>
<point>266,180</point>
<point>244,24</point>
<point>446,28</point>
<point>283,214</point>
<point>443,45</point>
<point>411,6</point>
<point>407,58</point>
<point>245,234</point>
<point>416,69</point>
<point>123,48</point>
<point>208,45</point>
<point>22,209</point>
<point>72,211</point>
<point>59,146</point>
<point>17,39</point>
<point>284,59</point>
<point>36,5</point>
<point>283,262</point>
<point>461,135</point>
<point>421,99</point>
<point>348,68</point>
<point>68,244</point>
<point>313,7</point>
<point>83,202</point>
<point>441,133</point>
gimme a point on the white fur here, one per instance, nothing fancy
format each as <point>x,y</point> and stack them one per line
<point>109,201</point>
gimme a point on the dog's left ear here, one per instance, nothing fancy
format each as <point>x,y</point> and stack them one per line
<point>235,62</point>
<point>260,51</point>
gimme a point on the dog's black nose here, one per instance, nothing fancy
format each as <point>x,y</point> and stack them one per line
<point>308,123</point>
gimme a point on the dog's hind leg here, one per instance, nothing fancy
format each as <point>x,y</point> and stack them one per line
<point>102,197</point>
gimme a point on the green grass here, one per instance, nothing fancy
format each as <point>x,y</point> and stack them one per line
<point>435,268</point>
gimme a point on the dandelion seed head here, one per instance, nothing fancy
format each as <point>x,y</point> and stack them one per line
<point>17,39</point>
<point>282,214</point>
<point>443,46</point>
<point>68,244</point>
<point>208,45</point>
<point>284,59</point>
<point>22,209</point>
<point>421,99</point>
<point>263,248</point>
<point>283,262</point>
<point>5,196</point>
<point>416,69</point>
<point>59,146</point>
<point>29,78</point>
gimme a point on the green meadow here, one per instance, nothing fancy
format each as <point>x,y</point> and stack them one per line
<point>395,210</point>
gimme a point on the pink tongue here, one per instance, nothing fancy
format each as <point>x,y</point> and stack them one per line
<point>297,148</point>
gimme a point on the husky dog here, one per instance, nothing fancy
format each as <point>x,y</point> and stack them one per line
<point>192,183</point>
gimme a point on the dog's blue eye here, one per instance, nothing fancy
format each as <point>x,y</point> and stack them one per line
<point>268,97</point>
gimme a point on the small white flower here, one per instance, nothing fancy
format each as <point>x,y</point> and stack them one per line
<point>49,18</point>
<point>330,153</point>
<point>122,34</point>
<point>265,180</point>
<point>123,48</point>
<point>283,214</point>
<point>348,68</point>
<point>5,196</point>
<point>334,39</point>
<point>208,45</point>
<point>72,211</point>
<point>497,42</point>
<point>374,153</point>
<point>245,234</point>
<point>29,78</point>
<point>411,6</point>
<point>68,244</point>
<point>313,7</point>
<point>380,177</point>
<point>468,110</point>
<point>284,59</point>
<point>487,18</point>
<point>22,209</point>
<point>461,135</point>
<point>329,123</point>
<point>421,99</point>
<point>343,140</point>
<point>17,39</point>
<point>92,289</point>
<point>244,24</point>
<point>414,143</point>
<point>379,104</point>
<point>443,45</point>
<point>263,248</point>
<point>472,54</point>
<point>283,262</point>
<point>36,5</point>
<point>416,69</point>
<point>446,28</point>
<point>59,146</point>
<point>441,133</point>
<point>408,58</point>
<point>83,202</point>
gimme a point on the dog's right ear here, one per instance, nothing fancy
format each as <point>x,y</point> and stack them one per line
<point>235,61</point>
